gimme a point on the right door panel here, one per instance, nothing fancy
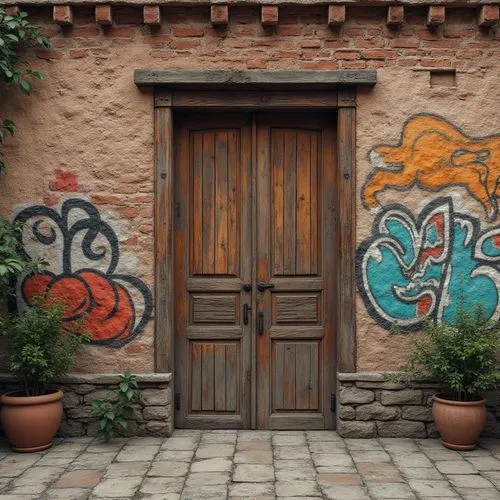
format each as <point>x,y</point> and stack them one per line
<point>295,265</point>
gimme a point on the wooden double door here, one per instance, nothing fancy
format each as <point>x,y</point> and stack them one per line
<point>255,247</point>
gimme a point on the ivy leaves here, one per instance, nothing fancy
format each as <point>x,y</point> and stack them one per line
<point>15,32</point>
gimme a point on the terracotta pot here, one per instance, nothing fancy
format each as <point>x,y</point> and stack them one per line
<point>459,422</point>
<point>31,422</point>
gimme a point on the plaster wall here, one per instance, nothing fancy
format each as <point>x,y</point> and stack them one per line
<point>86,133</point>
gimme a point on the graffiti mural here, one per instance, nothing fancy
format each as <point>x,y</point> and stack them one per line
<point>434,154</point>
<point>84,253</point>
<point>414,267</point>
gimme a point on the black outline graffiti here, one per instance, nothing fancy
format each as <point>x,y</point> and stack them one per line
<point>94,227</point>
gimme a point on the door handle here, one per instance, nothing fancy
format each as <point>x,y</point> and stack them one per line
<point>260,327</point>
<point>246,308</point>
<point>247,287</point>
<point>262,286</point>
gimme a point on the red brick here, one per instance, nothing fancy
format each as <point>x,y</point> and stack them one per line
<point>123,32</point>
<point>488,15</point>
<point>378,54</point>
<point>219,15</point>
<point>49,54</point>
<point>269,15</point>
<point>370,44</point>
<point>435,15</point>
<point>63,15</point>
<point>404,43</point>
<point>336,44</point>
<point>77,54</point>
<point>12,10</point>
<point>128,212</point>
<point>188,32</point>
<point>289,31</point>
<point>395,15</point>
<point>346,55</point>
<point>311,44</point>
<point>103,15</point>
<point>436,63</point>
<point>84,32</point>
<point>353,64</point>
<point>319,65</point>
<point>336,15</point>
<point>65,180</point>
<point>151,15</point>
<point>184,44</point>
<point>256,64</point>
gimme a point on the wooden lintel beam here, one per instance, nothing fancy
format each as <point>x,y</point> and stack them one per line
<point>336,15</point>
<point>219,15</point>
<point>151,15</point>
<point>103,14</point>
<point>435,15</point>
<point>269,15</point>
<point>63,15</point>
<point>395,15</point>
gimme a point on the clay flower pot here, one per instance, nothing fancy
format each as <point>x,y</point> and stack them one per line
<point>459,422</point>
<point>31,422</point>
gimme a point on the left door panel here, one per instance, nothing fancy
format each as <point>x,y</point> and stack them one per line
<point>213,262</point>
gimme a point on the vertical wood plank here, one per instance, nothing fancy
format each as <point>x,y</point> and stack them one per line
<point>232,377</point>
<point>208,227</point>
<point>220,376</point>
<point>207,377</point>
<point>347,231</point>
<point>197,202</point>
<point>289,382</point>
<point>290,220</point>
<point>303,241</point>
<point>315,203</point>
<point>221,203</point>
<point>302,375</point>
<point>233,176</point>
<point>314,378</point>
<point>196,376</point>
<point>277,175</point>
<point>163,224</point>
<point>278,363</point>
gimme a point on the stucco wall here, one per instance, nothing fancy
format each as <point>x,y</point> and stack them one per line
<point>86,134</point>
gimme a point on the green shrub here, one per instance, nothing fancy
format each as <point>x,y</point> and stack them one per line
<point>461,355</point>
<point>114,411</point>
<point>42,345</point>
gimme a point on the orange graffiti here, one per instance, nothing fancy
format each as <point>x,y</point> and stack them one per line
<point>107,306</point>
<point>434,154</point>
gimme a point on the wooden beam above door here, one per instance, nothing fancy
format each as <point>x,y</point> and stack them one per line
<point>224,79</point>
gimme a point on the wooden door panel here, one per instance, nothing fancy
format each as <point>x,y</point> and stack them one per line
<point>213,205</point>
<point>295,255</point>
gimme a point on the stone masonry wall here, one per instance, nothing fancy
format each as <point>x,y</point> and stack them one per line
<point>153,414</point>
<point>370,405</point>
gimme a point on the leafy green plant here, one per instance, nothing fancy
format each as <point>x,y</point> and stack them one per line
<point>461,355</point>
<point>114,411</point>
<point>13,259</point>
<point>15,31</point>
<point>42,345</point>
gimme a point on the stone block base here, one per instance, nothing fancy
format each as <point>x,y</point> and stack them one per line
<point>370,405</point>
<point>153,413</point>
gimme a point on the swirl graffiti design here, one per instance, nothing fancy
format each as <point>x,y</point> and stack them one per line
<point>413,268</point>
<point>84,253</point>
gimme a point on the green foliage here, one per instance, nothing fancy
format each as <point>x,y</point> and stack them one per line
<point>42,345</point>
<point>16,30</point>
<point>114,411</point>
<point>14,262</point>
<point>461,355</point>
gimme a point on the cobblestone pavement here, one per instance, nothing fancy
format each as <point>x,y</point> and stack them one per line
<point>251,464</point>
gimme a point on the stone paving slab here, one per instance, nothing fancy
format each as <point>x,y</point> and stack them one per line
<point>258,465</point>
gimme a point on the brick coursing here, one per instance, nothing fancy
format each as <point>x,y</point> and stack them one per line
<point>302,39</point>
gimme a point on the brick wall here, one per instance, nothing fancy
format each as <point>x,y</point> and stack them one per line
<point>302,39</point>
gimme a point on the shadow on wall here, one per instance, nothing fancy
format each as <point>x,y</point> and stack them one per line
<point>83,253</point>
<point>414,266</point>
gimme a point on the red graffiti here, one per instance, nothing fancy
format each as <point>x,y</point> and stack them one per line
<point>106,304</point>
<point>65,181</point>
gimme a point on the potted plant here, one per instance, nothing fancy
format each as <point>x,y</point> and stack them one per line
<point>42,348</point>
<point>462,356</point>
